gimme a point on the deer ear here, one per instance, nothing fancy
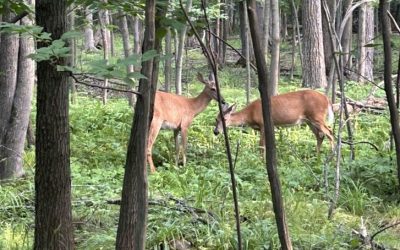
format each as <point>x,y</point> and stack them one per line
<point>230,109</point>
<point>201,78</point>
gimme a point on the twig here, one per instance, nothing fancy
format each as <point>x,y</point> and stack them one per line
<point>383,229</point>
<point>19,17</point>
<point>362,142</point>
<point>103,87</point>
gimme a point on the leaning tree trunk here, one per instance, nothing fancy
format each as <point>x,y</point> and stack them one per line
<point>131,232</point>
<point>313,50</point>
<point>10,160</point>
<point>53,217</point>
<point>89,36</point>
<point>270,156</point>
<point>394,115</point>
<point>365,36</point>
<point>274,67</point>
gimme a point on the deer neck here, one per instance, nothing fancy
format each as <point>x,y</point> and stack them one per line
<point>199,103</point>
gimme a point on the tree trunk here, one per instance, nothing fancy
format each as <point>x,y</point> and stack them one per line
<point>89,37</point>
<point>270,156</point>
<point>179,54</point>
<point>72,47</point>
<point>53,218</point>
<point>123,27</point>
<point>365,36</point>
<point>328,50</point>
<point>131,232</point>
<point>313,51</point>
<point>266,28</point>
<point>10,161</point>
<point>347,35</point>
<point>168,61</point>
<point>274,67</point>
<point>112,37</point>
<point>106,38</point>
<point>394,115</point>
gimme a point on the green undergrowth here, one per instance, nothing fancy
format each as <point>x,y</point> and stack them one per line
<point>195,202</point>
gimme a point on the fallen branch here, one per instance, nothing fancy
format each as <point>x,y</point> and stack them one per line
<point>103,87</point>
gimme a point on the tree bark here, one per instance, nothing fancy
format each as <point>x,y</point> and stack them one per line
<point>89,37</point>
<point>106,38</point>
<point>168,61</point>
<point>270,156</point>
<point>266,27</point>
<point>365,36</point>
<point>274,67</point>
<point>53,218</point>
<point>347,35</point>
<point>328,50</point>
<point>179,54</point>
<point>131,232</point>
<point>313,51</point>
<point>394,115</point>
<point>10,159</point>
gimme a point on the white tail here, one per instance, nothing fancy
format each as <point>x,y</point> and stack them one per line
<point>177,113</point>
<point>292,108</point>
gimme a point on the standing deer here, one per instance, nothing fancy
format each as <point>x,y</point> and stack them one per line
<point>177,113</point>
<point>288,109</point>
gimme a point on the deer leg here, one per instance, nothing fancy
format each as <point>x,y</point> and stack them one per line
<point>153,132</point>
<point>184,144</point>
<point>177,149</point>
<point>320,130</point>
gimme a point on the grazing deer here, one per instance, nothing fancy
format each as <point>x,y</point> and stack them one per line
<point>177,113</point>
<point>288,109</point>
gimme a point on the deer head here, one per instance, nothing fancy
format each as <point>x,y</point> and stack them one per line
<point>226,113</point>
<point>210,88</point>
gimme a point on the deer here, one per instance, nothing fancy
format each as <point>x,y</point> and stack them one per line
<point>177,112</point>
<point>289,109</point>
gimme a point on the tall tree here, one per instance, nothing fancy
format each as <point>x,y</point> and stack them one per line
<point>16,85</point>
<point>328,50</point>
<point>89,36</point>
<point>275,35</point>
<point>131,232</point>
<point>394,115</point>
<point>179,53</point>
<point>106,38</point>
<point>53,218</point>
<point>313,50</point>
<point>365,36</point>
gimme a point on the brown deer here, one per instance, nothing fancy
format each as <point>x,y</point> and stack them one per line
<point>177,113</point>
<point>288,109</point>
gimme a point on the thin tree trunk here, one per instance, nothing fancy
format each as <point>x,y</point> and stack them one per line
<point>72,47</point>
<point>112,37</point>
<point>123,27</point>
<point>131,232</point>
<point>266,27</point>
<point>247,54</point>
<point>394,115</point>
<point>53,217</point>
<point>106,37</point>
<point>347,35</point>
<point>274,67</point>
<point>179,54</point>
<point>296,19</point>
<point>168,61</point>
<point>270,156</point>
